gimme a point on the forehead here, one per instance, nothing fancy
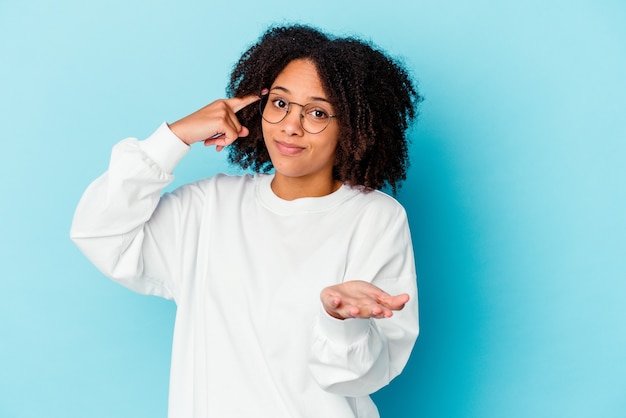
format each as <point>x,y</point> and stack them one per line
<point>300,79</point>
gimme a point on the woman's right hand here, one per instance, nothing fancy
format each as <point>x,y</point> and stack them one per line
<point>214,124</point>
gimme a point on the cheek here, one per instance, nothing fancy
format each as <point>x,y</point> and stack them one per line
<point>331,142</point>
<point>327,153</point>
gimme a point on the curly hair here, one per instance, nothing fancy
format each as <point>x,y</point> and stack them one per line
<point>372,94</point>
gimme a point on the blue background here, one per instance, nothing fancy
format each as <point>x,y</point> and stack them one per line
<point>516,195</point>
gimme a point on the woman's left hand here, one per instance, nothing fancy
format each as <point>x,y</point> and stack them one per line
<point>360,299</point>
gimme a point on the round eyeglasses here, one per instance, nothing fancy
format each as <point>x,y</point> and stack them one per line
<point>314,117</point>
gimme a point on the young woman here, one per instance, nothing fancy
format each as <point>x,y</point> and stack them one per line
<point>295,290</point>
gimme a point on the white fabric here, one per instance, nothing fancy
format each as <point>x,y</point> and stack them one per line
<point>245,269</point>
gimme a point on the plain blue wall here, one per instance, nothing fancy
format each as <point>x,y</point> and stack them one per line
<point>516,195</point>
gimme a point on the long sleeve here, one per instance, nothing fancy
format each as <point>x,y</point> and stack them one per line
<point>232,256</point>
<point>109,224</point>
<point>356,357</point>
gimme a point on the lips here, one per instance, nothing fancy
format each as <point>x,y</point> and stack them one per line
<point>286,148</point>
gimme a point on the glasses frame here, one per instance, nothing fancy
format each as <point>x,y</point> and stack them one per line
<point>264,99</point>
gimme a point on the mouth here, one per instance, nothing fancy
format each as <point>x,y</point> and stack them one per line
<point>288,149</point>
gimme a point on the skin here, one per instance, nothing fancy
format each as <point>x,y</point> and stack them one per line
<point>303,161</point>
<point>303,165</point>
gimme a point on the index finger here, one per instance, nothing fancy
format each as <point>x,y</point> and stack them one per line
<point>238,103</point>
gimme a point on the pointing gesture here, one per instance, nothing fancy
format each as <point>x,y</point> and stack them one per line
<point>215,124</point>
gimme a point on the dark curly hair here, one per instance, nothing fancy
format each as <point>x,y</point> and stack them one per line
<point>372,94</point>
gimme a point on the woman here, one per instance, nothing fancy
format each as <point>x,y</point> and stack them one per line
<point>296,290</point>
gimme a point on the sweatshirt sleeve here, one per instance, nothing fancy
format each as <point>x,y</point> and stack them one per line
<point>356,357</point>
<point>110,224</point>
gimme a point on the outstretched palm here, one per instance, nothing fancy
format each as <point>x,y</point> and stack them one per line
<point>360,299</point>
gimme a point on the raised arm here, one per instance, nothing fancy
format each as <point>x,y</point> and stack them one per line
<point>115,224</point>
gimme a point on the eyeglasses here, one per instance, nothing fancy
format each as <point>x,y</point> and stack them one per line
<point>314,118</point>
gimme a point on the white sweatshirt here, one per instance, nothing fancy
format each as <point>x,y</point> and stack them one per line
<point>246,269</point>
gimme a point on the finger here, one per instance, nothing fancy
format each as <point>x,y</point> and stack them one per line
<point>395,303</point>
<point>377,311</point>
<point>222,118</point>
<point>238,103</point>
<point>214,140</point>
<point>229,131</point>
<point>333,302</point>
<point>231,135</point>
<point>368,312</point>
<point>235,104</point>
<point>386,313</point>
<point>330,299</point>
<point>243,132</point>
<point>353,312</point>
<point>331,306</point>
<point>225,140</point>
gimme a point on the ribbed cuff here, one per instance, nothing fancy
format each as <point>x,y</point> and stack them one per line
<point>164,148</point>
<point>346,332</point>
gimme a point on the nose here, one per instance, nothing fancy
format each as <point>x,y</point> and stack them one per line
<point>292,124</point>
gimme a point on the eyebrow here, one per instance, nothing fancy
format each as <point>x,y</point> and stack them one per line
<point>314,98</point>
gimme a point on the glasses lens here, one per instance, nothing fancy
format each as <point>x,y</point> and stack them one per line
<point>315,117</point>
<point>273,108</point>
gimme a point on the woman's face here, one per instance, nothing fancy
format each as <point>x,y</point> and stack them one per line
<point>296,153</point>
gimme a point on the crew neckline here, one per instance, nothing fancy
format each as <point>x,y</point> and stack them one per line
<point>280,206</point>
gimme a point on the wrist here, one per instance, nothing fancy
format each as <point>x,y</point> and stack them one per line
<point>164,148</point>
<point>179,132</point>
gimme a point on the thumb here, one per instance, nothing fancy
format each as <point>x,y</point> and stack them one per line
<point>243,132</point>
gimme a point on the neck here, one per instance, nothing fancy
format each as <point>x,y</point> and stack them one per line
<point>291,188</point>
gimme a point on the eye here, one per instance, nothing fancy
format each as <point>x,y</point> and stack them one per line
<point>317,113</point>
<point>279,103</point>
